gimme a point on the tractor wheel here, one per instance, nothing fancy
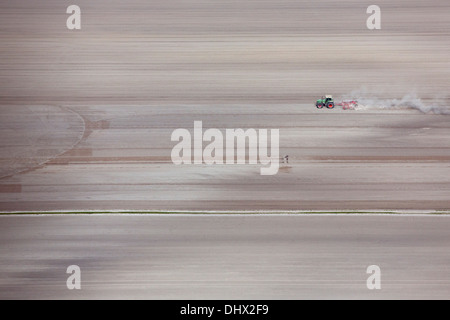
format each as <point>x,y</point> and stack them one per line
<point>319,106</point>
<point>330,105</point>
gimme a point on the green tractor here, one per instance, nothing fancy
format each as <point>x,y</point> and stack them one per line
<point>326,101</point>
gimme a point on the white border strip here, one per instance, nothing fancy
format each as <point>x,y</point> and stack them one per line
<point>233,212</point>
